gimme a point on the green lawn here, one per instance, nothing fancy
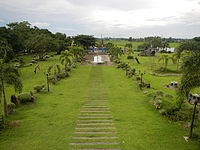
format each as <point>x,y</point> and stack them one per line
<point>122,43</point>
<point>49,123</point>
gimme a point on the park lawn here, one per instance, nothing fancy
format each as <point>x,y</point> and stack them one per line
<point>29,78</point>
<point>139,124</point>
<point>48,123</point>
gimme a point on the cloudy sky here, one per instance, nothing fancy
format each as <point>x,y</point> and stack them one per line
<point>111,18</point>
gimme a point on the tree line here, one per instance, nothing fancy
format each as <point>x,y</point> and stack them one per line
<point>21,37</point>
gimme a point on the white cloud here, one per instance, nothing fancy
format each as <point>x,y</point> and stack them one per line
<point>113,17</point>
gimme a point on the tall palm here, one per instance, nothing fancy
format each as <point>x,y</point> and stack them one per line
<point>190,67</point>
<point>8,75</point>
<point>65,59</point>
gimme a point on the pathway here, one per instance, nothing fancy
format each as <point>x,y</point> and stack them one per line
<point>95,128</point>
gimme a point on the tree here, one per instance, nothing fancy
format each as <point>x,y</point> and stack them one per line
<point>77,53</point>
<point>130,39</point>
<point>190,67</point>
<point>65,59</point>
<point>85,40</point>
<point>8,75</point>
<point>115,52</point>
<point>40,44</point>
<point>55,69</point>
<point>6,52</point>
<point>165,59</point>
<point>129,45</point>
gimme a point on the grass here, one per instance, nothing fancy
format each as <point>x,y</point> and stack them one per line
<point>49,123</point>
<point>122,43</point>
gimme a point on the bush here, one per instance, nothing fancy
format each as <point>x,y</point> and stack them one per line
<point>63,75</point>
<point>117,61</point>
<point>158,103</point>
<point>11,108</point>
<point>38,88</point>
<point>159,93</point>
<point>130,57</point>
<point>25,98</point>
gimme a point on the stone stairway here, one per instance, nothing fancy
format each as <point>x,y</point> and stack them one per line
<point>95,128</point>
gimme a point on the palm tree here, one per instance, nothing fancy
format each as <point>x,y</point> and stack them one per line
<point>115,52</point>
<point>56,71</point>
<point>65,59</point>
<point>8,75</point>
<point>77,53</point>
<point>190,68</point>
<point>165,59</point>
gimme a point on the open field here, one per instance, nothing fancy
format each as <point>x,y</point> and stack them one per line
<point>122,43</point>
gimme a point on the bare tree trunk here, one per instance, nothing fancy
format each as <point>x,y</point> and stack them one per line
<point>5,106</point>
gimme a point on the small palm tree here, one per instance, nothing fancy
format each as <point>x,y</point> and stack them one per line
<point>56,71</point>
<point>65,59</point>
<point>165,59</point>
<point>8,75</point>
<point>77,53</point>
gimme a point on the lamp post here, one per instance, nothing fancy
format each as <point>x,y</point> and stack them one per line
<point>47,82</point>
<point>193,99</point>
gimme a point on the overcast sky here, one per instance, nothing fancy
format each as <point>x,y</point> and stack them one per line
<point>111,18</point>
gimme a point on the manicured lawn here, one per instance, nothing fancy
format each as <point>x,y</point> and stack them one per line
<point>49,123</point>
<point>140,125</point>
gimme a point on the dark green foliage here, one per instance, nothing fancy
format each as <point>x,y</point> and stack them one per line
<point>159,93</point>
<point>25,98</point>
<point>129,45</point>
<point>11,108</point>
<point>130,57</point>
<point>85,40</point>
<point>63,75</point>
<point>38,88</point>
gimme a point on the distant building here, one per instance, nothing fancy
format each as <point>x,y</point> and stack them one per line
<point>95,49</point>
<point>169,50</point>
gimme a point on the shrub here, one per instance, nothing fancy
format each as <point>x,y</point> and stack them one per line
<point>162,111</point>
<point>117,61</point>
<point>171,111</point>
<point>11,108</point>
<point>25,98</point>
<point>63,75</point>
<point>158,103</point>
<point>38,88</point>
<point>130,57</point>
<point>159,93</point>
